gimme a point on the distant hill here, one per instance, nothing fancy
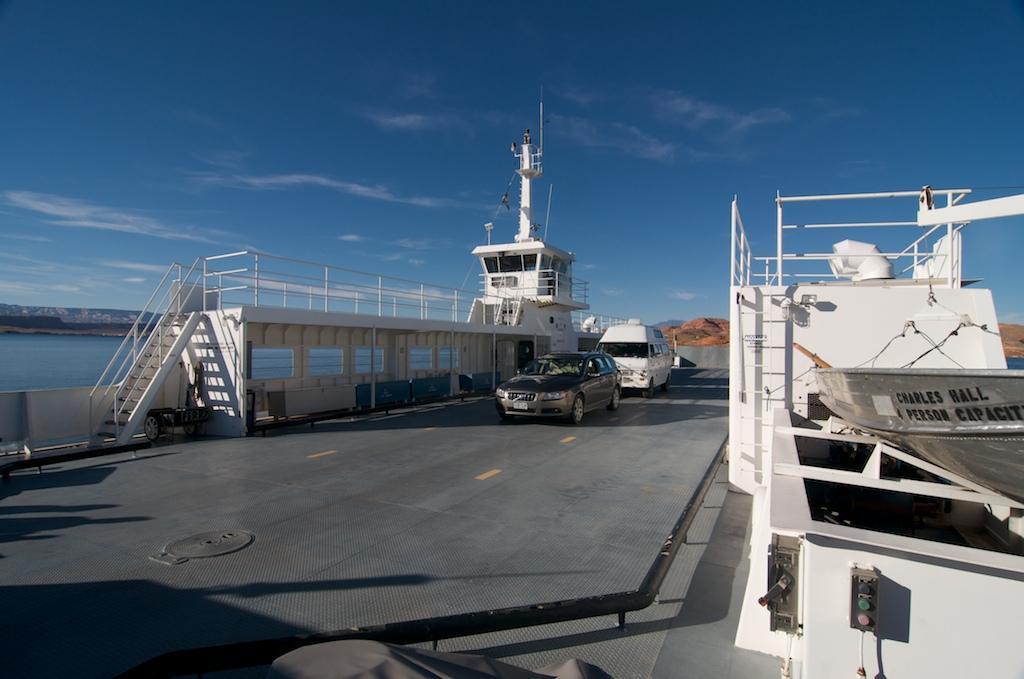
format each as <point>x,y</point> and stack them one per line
<point>700,332</point>
<point>71,314</point>
<point>1013,339</point>
<point>715,331</point>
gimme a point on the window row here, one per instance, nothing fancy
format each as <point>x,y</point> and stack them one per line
<point>267,363</point>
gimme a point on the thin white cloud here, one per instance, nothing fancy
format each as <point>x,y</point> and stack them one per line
<point>416,262</point>
<point>684,295</point>
<point>280,182</point>
<point>415,85</point>
<point>578,95</point>
<point>72,212</point>
<point>697,114</point>
<point>351,238</point>
<point>613,292</point>
<point>223,159</point>
<point>133,266</point>
<point>412,121</point>
<point>26,237</point>
<point>134,279</point>
<point>614,136</point>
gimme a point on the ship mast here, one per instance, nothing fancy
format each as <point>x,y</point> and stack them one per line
<point>530,167</point>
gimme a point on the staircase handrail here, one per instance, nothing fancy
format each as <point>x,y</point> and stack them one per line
<point>170,313</point>
<point>132,330</point>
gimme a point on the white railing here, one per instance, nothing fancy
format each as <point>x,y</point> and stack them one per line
<point>914,257</point>
<point>739,257</point>
<point>586,321</point>
<point>257,279</point>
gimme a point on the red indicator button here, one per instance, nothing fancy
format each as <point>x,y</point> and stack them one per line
<point>864,619</point>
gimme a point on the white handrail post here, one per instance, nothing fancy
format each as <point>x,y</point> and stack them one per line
<point>204,283</point>
<point>135,341</point>
<point>220,291</point>
<point>732,245</point>
<point>357,302</point>
<point>778,238</point>
<point>380,296</point>
<point>180,286</point>
<point>394,307</point>
<point>949,244</point>
<point>455,307</point>
<point>325,290</point>
<point>310,291</point>
<point>256,275</point>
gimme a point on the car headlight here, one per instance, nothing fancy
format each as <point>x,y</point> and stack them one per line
<point>552,395</point>
<point>500,393</point>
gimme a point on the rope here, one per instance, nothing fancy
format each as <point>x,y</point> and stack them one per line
<point>936,347</point>
<point>906,326</point>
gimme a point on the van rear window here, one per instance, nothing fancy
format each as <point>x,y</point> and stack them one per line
<point>625,349</point>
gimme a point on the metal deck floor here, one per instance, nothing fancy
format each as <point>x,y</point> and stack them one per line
<point>374,520</point>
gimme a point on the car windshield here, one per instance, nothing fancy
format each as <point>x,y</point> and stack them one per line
<point>626,349</point>
<point>558,365</point>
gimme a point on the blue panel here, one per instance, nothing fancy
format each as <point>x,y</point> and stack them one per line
<point>392,392</point>
<point>363,395</point>
<point>431,387</point>
<point>465,383</point>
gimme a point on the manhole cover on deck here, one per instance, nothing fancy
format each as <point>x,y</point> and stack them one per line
<point>205,545</point>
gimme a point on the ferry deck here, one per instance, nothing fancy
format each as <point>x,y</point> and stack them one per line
<point>419,512</point>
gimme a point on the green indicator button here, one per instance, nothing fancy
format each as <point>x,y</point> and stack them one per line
<point>863,604</point>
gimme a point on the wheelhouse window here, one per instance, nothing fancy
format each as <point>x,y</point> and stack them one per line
<point>491,263</point>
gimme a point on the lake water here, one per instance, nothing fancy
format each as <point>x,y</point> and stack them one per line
<point>53,361</point>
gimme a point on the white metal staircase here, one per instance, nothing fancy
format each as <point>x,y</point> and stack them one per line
<point>149,352</point>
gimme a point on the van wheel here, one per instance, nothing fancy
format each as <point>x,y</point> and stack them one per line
<point>668,379</point>
<point>648,391</point>
<point>576,412</point>
<point>614,403</point>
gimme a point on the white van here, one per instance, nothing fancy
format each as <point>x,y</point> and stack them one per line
<point>642,354</point>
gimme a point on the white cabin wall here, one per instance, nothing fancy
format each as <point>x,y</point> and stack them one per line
<point>924,603</point>
<point>768,373</point>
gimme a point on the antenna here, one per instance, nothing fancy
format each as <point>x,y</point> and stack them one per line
<point>542,119</point>
<point>547,217</point>
<point>488,227</point>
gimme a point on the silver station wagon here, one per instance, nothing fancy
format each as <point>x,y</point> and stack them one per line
<point>561,385</point>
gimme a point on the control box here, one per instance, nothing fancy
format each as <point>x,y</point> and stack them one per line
<point>864,599</point>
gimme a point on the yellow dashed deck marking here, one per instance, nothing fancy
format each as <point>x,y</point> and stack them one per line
<point>323,454</point>
<point>487,475</point>
<point>568,439</point>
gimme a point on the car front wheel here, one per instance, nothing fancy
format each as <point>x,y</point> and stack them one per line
<point>576,412</point>
<point>614,403</point>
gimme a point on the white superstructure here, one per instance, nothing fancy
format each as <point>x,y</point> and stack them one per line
<point>865,559</point>
<point>336,338</point>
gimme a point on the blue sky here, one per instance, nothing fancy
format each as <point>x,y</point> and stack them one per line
<point>376,137</point>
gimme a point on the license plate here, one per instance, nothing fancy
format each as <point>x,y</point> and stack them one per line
<point>520,405</point>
